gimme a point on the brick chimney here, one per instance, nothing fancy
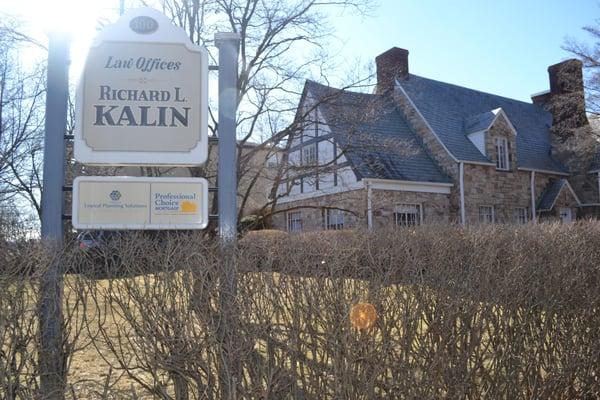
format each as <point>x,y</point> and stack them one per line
<point>392,64</point>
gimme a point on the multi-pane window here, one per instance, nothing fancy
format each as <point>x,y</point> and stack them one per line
<point>521,215</point>
<point>294,221</point>
<point>334,219</point>
<point>407,215</point>
<point>501,145</point>
<point>309,154</point>
<point>486,214</point>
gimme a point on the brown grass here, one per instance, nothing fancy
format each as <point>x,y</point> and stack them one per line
<point>493,312</point>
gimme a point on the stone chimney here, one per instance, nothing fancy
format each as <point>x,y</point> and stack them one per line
<point>573,143</point>
<point>392,64</point>
<point>565,99</point>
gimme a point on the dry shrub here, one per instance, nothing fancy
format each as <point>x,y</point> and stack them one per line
<point>489,312</point>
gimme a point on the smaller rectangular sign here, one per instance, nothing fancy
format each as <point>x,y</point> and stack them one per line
<point>127,202</point>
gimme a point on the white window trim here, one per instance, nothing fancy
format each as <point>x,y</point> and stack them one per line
<point>419,207</point>
<point>309,147</point>
<point>517,215</point>
<point>288,220</point>
<point>493,213</point>
<point>504,144</point>
<point>339,213</point>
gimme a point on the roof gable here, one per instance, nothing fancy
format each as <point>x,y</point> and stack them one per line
<point>485,120</point>
<point>551,193</point>
<point>452,110</point>
<point>375,138</point>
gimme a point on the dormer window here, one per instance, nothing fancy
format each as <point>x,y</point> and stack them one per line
<point>501,145</point>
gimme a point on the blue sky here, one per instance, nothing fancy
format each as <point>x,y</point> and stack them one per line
<point>503,47</point>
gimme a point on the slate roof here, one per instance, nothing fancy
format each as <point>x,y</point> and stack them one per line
<point>452,111</point>
<point>376,139</point>
<point>550,194</point>
<point>479,122</point>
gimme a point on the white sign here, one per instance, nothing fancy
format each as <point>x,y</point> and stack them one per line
<point>143,95</point>
<point>139,203</point>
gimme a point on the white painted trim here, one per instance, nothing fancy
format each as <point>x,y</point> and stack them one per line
<point>498,112</point>
<point>598,186</point>
<point>594,171</point>
<point>490,164</point>
<point>461,180</point>
<point>377,184</point>
<point>533,211</point>
<point>322,192</point>
<point>419,208</point>
<point>409,186</point>
<point>579,203</point>
<point>543,171</point>
<point>369,206</point>
<point>398,85</point>
<point>493,208</point>
<point>504,143</point>
<point>540,93</point>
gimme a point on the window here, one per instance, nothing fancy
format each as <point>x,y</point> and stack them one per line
<point>486,214</point>
<point>407,215</point>
<point>565,215</point>
<point>521,215</point>
<point>334,219</point>
<point>272,161</point>
<point>294,221</point>
<point>309,154</point>
<point>501,153</point>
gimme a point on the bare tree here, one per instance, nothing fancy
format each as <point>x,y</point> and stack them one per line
<point>589,54</point>
<point>282,43</point>
<point>21,121</point>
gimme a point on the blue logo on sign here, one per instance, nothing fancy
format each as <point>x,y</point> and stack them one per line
<point>115,195</point>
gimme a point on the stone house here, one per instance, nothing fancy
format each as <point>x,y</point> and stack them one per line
<point>422,151</point>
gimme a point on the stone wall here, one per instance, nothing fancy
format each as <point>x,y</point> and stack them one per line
<point>504,190</point>
<point>435,208</point>
<point>354,204</point>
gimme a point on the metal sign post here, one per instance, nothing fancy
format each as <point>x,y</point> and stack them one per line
<point>228,45</point>
<point>52,369</point>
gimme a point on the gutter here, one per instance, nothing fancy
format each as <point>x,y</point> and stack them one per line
<point>533,211</point>
<point>369,206</point>
<point>461,182</point>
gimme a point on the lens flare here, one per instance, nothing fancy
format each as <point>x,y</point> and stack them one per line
<point>363,316</point>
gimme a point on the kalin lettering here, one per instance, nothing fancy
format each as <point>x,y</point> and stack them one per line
<point>141,116</point>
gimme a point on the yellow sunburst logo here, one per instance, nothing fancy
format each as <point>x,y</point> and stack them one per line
<point>188,207</point>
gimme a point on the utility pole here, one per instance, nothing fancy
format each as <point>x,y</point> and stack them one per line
<point>51,357</point>
<point>228,45</point>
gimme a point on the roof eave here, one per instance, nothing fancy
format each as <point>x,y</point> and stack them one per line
<point>544,171</point>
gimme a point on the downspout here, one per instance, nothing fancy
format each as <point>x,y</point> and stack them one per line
<point>533,210</point>
<point>369,205</point>
<point>461,183</point>
<point>598,186</point>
